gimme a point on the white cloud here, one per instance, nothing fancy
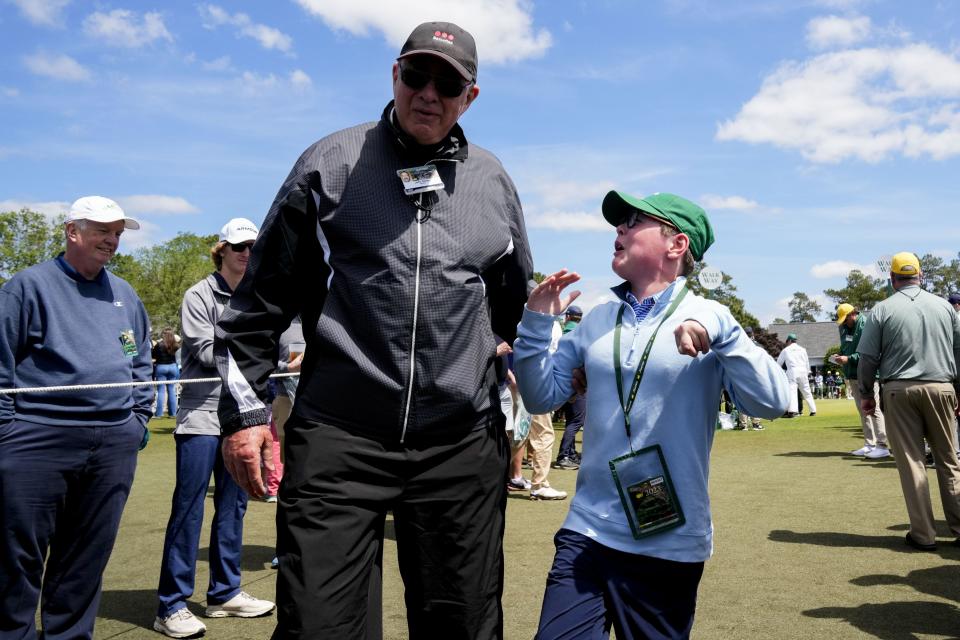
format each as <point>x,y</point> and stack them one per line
<point>829,31</point>
<point>46,13</point>
<point>138,204</point>
<point>220,64</point>
<point>59,67</point>
<point>50,209</point>
<point>866,103</point>
<point>299,80</point>
<point>503,29</point>
<point>840,269</point>
<point>731,203</point>
<point>567,221</point>
<point>214,16</point>
<point>147,235</point>
<point>122,28</point>
<point>9,92</point>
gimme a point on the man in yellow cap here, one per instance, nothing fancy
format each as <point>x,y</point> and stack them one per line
<point>851,323</point>
<point>913,339</point>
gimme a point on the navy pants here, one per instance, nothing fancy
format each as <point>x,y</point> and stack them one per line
<point>62,492</point>
<point>447,493</point>
<point>592,587</point>
<point>574,412</point>
<point>199,456</point>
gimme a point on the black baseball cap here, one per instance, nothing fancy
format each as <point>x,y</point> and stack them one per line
<point>447,41</point>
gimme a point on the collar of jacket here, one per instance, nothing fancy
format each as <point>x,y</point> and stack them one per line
<point>665,296</point>
<point>219,284</point>
<point>453,147</point>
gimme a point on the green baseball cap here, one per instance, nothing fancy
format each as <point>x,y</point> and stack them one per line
<point>792,336</point>
<point>680,213</point>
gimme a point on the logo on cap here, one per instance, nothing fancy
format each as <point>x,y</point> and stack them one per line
<point>443,36</point>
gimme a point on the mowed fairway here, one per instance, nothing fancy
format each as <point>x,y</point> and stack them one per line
<point>808,544</point>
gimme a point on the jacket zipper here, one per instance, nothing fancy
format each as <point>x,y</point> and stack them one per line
<point>413,330</point>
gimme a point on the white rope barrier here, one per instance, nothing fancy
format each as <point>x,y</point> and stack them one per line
<point>120,385</point>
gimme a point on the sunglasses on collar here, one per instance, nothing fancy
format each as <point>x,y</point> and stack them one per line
<point>446,86</point>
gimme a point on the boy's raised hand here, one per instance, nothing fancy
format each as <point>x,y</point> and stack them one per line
<point>546,296</point>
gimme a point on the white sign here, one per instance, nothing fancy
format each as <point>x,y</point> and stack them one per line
<point>710,278</point>
<point>883,263</point>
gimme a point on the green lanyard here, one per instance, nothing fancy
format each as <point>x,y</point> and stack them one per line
<point>643,361</point>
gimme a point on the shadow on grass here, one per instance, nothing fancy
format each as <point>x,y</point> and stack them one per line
<point>897,620</point>
<point>137,606</point>
<point>935,581</point>
<point>816,454</point>
<point>255,557</point>
<point>855,540</point>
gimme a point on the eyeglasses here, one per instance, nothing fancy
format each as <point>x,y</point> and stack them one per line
<point>446,87</point>
<point>239,248</point>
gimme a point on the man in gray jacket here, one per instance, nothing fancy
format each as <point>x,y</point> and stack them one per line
<point>403,249</point>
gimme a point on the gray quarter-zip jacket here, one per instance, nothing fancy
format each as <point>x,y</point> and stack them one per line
<point>400,296</point>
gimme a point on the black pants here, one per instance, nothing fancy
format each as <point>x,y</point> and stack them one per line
<point>447,495</point>
<point>574,413</point>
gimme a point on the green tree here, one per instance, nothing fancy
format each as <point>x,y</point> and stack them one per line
<point>538,277</point>
<point>27,238</point>
<point>939,276</point>
<point>778,320</point>
<point>829,367</point>
<point>725,294</point>
<point>162,274</point>
<point>803,309</point>
<point>861,291</point>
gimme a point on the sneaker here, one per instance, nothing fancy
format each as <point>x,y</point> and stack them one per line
<point>270,499</point>
<point>518,484</point>
<point>929,460</point>
<point>567,463</point>
<point>813,414</point>
<point>877,453</point>
<point>862,451</point>
<point>525,464</point>
<point>758,427</point>
<point>242,605</point>
<point>179,624</point>
<point>547,493</point>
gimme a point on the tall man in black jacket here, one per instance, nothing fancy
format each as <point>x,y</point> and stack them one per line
<point>404,251</point>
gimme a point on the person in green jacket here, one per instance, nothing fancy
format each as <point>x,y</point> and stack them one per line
<point>851,323</point>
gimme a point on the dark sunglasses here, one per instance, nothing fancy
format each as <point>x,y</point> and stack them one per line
<point>446,86</point>
<point>239,248</point>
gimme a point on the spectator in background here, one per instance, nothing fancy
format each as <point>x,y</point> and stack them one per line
<point>197,437</point>
<point>794,357</point>
<point>574,410</point>
<point>912,340</point>
<point>818,386</point>
<point>67,459</point>
<point>851,322</point>
<point>165,369</point>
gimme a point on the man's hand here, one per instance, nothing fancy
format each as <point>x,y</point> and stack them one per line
<point>842,359</point>
<point>868,405</point>
<point>579,381</point>
<point>294,365</point>
<point>692,338</point>
<point>503,348</point>
<point>243,453</point>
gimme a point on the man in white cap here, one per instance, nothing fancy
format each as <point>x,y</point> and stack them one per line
<point>199,457</point>
<point>912,339</point>
<point>402,247</point>
<point>68,458</point>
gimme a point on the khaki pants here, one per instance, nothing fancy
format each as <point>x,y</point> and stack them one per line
<point>874,430</point>
<point>914,411</point>
<point>540,444</point>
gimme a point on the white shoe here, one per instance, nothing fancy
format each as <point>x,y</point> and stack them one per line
<point>242,605</point>
<point>179,624</point>
<point>878,452</point>
<point>862,451</point>
<point>547,493</point>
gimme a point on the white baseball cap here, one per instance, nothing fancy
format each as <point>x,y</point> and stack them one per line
<point>238,230</point>
<point>99,209</point>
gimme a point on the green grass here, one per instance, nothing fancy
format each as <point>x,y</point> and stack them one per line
<point>809,544</point>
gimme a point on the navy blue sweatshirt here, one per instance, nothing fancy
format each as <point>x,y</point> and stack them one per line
<point>58,328</point>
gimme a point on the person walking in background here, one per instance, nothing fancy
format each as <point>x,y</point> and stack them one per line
<point>851,322</point>
<point>912,341</point>
<point>794,358</point>
<point>67,459</point>
<point>574,410</point>
<point>197,437</point>
<point>166,370</point>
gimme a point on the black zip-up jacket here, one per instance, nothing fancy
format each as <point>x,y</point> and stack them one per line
<point>400,296</point>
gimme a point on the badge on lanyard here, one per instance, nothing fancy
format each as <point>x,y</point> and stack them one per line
<point>646,491</point>
<point>420,179</point>
<point>128,343</point>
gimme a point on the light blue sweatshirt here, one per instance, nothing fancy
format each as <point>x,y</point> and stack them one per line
<point>676,407</point>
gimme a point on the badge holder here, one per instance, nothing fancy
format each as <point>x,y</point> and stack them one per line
<point>646,492</point>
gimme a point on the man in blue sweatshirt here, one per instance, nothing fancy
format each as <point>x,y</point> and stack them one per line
<point>631,551</point>
<point>68,457</point>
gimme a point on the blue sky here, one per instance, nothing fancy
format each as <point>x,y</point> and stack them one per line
<point>818,135</point>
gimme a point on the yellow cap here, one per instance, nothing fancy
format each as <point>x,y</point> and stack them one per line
<point>843,311</point>
<point>905,264</point>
